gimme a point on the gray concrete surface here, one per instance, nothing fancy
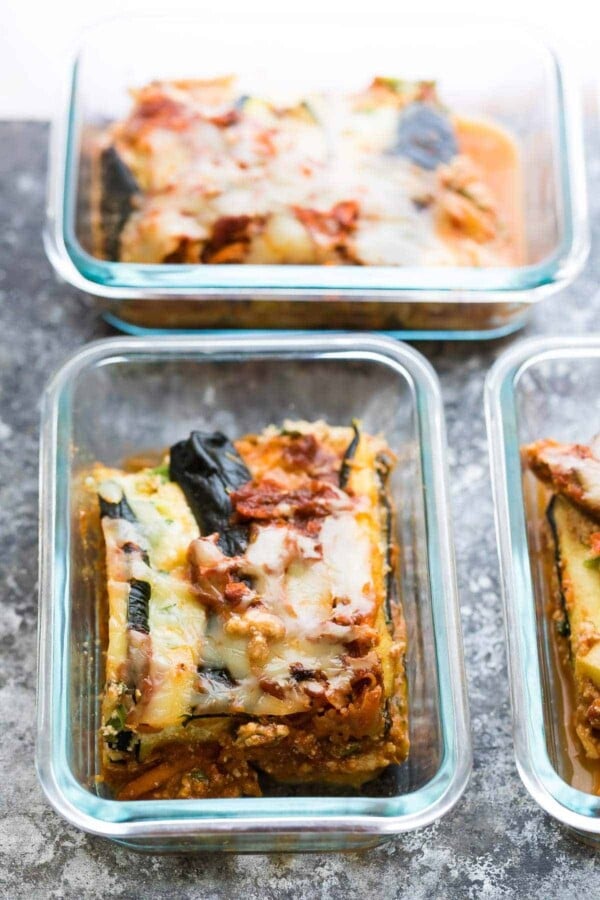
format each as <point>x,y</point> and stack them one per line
<point>497,843</point>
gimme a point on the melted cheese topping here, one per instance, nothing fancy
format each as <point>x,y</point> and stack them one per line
<point>300,581</point>
<point>233,179</point>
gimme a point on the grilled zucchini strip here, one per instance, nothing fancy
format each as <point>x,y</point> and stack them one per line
<point>155,621</point>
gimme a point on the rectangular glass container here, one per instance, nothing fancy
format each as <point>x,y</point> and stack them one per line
<point>125,395</point>
<point>494,72</point>
<point>541,388</point>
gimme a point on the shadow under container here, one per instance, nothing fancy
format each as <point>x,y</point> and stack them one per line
<point>542,388</point>
<point>489,72</point>
<point>123,396</point>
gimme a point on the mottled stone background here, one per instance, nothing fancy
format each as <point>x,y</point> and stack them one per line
<point>496,843</point>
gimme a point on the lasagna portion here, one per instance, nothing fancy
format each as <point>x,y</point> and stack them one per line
<point>200,173</point>
<point>572,472</point>
<point>253,622</point>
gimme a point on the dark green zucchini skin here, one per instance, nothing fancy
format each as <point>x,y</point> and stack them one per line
<point>122,740</point>
<point>220,677</point>
<point>138,605</point>
<point>207,467</point>
<point>391,584</point>
<point>383,472</point>
<point>118,188</point>
<point>139,591</point>
<point>131,549</point>
<point>120,510</point>
<point>425,136</point>
<point>563,625</point>
<point>349,456</point>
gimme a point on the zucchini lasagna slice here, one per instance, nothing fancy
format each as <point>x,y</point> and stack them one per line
<point>253,622</point>
<point>572,471</point>
<point>199,172</point>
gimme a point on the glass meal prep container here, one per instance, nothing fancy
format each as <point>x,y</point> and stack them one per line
<point>493,72</point>
<point>541,388</point>
<point>123,394</point>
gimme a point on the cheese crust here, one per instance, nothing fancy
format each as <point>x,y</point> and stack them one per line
<point>273,647</point>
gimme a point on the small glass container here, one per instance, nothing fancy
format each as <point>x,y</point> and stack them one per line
<point>490,72</point>
<point>541,388</point>
<point>125,395</point>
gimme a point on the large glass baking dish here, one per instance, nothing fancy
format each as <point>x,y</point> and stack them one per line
<point>484,71</point>
<point>540,388</point>
<point>122,395</point>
